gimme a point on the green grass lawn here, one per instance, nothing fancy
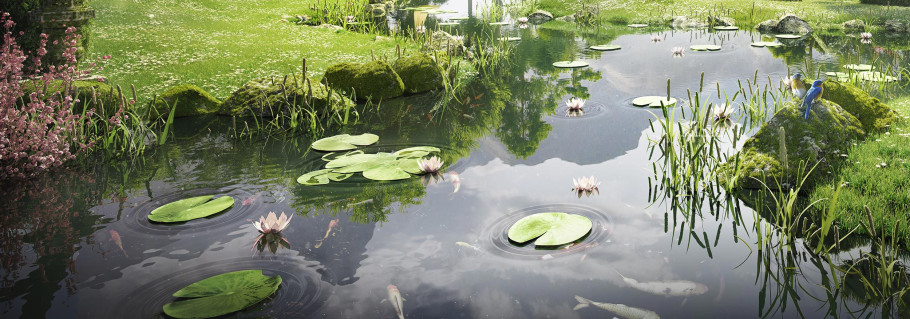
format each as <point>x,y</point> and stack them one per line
<point>875,174</point>
<point>215,44</point>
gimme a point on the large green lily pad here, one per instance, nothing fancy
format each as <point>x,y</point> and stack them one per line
<point>638,25</point>
<point>380,166</point>
<point>344,142</point>
<point>570,64</point>
<point>553,229</point>
<point>788,36</point>
<point>654,101</point>
<point>606,47</point>
<point>222,294</point>
<point>500,23</point>
<point>705,47</point>
<point>322,177</point>
<point>858,67</point>
<point>416,152</point>
<point>190,208</point>
<point>766,44</point>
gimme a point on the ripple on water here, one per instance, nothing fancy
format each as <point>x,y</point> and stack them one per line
<point>495,237</point>
<point>137,219</point>
<point>301,293</point>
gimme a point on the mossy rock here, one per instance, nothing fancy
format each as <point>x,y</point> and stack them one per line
<point>875,115</point>
<point>367,81</point>
<point>106,102</point>
<point>191,101</point>
<point>269,97</point>
<point>829,132</point>
<point>419,73</point>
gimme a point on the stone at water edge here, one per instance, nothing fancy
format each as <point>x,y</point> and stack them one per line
<point>539,17</point>
<point>371,81</point>
<point>896,26</point>
<point>419,73</point>
<point>793,25</point>
<point>721,21</point>
<point>191,101</point>
<point>683,22</point>
<point>767,26</point>
<point>269,97</point>
<point>855,24</point>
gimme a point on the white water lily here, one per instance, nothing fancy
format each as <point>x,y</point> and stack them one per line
<point>723,113</point>
<point>655,38</point>
<point>865,37</point>
<point>575,104</point>
<point>585,185</point>
<point>523,20</point>
<point>272,223</point>
<point>678,51</point>
<point>431,165</point>
<point>420,29</point>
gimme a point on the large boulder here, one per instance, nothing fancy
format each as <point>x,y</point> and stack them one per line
<point>684,22</point>
<point>721,21</point>
<point>190,100</point>
<point>767,26</point>
<point>874,115</point>
<point>270,97</point>
<point>539,17</point>
<point>828,133</point>
<point>793,25</point>
<point>420,73</point>
<point>366,81</point>
<point>854,25</point>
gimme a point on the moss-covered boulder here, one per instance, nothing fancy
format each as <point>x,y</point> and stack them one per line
<point>191,100</point>
<point>105,101</point>
<point>420,73</point>
<point>367,81</point>
<point>875,115</point>
<point>828,133</point>
<point>269,97</point>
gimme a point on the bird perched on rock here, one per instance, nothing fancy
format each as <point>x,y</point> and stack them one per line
<point>814,94</point>
<point>797,86</point>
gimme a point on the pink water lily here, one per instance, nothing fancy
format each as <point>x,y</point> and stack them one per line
<point>523,20</point>
<point>655,38</point>
<point>575,104</point>
<point>585,185</point>
<point>272,223</point>
<point>865,37</point>
<point>431,165</point>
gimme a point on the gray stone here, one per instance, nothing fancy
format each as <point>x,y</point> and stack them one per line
<point>896,26</point>
<point>855,24</point>
<point>793,25</point>
<point>539,17</point>
<point>721,21</point>
<point>683,22</point>
<point>767,26</point>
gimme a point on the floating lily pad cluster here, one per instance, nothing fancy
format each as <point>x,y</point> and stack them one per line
<point>654,101</point>
<point>379,166</point>
<point>705,47</point>
<point>570,64</point>
<point>761,44</point>
<point>190,208</point>
<point>222,294</point>
<point>726,28</point>
<point>550,229</point>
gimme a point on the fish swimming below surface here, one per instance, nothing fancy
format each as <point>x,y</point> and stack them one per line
<point>667,288</point>
<point>249,200</point>
<point>332,224</point>
<point>115,236</point>
<point>456,180</point>
<point>466,245</point>
<point>396,300</point>
<point>621,310</point>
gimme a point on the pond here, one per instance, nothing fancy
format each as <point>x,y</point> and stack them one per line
<point>78,244</point>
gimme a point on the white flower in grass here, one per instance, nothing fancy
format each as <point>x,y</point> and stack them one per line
<point>575,104</point>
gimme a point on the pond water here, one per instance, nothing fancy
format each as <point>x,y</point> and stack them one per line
<point>515,152</point>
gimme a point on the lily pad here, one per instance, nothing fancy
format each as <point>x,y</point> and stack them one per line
<point>766,44</point>
<point>222,294</point>
<point>394,170</point>
<point>322,177</point>
<point>570,64</point>
<point>344,142</point>
<point>190,208</point>
<point>837,74</point>
<point>726,28</point>
<point>459,18</point>
<point>705,47</point>
<point>638,25</point>
<point>654,101</point>
<point>607,47</point>
<point>875,76</point>
<point>449,24</point>
<point>553,229</point>
<point>416,152</point>
<point>500,23</point>
<point>858,67</point>
<point>509,39</point>
<point>788,36</point>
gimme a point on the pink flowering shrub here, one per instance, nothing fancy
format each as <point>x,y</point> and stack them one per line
<point>40,132</point>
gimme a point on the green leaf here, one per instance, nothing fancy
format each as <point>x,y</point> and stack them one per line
<point>606,47</point>
<point>328,157</point>
<point>359,162</point>
<point>705,47</point>
<point>322,177</point>
<point>190,208</point>
<point>553,229</point>
<point>416,152</point>
<point>766,44</point>
<point>344,142</point>
<point>388,172</point>
<point>570,64</point>
<point>222,294</point>
<point>654,101</point>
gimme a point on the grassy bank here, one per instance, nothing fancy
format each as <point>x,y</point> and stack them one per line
<point>823,14</point>
<point>215,44</point>
<point>876,174</point>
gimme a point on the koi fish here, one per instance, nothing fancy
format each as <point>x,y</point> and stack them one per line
<point>249,200</point>
<point>456,180</point>
<point>396,300</point>
<point>720,291</point>
<point>466,245</point>
<point>667,288</point>
<point>546,257</point>
<point>115,236</point>
<point>479,96</point>
<point>618,309</point>
<point>332,224</point>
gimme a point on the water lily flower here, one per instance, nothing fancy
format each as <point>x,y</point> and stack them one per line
<point>723,114</point>
<point>865,37</point>
<point>431,165</point>
<point>420,29</point>
<point>678,51</point>
<point>585,185</point>
<point>272,223</point>
<point>523,20</point>
<point>575,104</point>
<point>655,38</point>
<point>350,19</point>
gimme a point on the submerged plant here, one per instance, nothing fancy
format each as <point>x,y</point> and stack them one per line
<point>585,185</point>
<point>431,165</point>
